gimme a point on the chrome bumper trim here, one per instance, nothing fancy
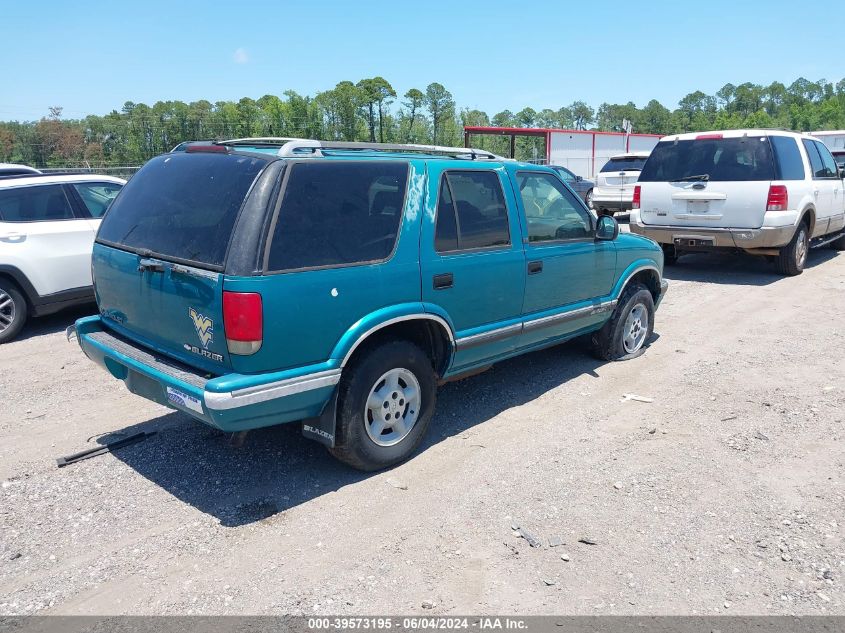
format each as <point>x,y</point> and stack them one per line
<point>221,401</point>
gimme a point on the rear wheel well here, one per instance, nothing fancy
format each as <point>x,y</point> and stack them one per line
<point>430,336</point>
<point>649,278</point>
<point>809,217</point>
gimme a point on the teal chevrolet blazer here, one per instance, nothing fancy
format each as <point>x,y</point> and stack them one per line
<point>254,282</point>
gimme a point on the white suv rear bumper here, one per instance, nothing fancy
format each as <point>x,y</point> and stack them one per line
<point>699,237</point>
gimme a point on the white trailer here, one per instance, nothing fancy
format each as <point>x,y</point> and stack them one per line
<point>583,152</point>
<point>834,139</point>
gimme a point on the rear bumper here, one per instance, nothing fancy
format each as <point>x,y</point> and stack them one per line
<point>261,400</point>
<point>745,239</point>
<point>611,204</point>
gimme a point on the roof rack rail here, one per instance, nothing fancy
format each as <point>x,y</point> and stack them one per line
<point>261,140</point>
<point>301,146</point>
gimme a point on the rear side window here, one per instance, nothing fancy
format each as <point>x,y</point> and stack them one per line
<point>788,163</point>
<point>624,164</point>
<point>471,212</point>
<point>182,206</point>
<point>337,213</point>
<point>740,158</point>
<point>97,196</point>
<point>34,204</point>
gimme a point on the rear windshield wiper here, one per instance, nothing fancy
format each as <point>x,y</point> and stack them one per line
<point>689,178</point>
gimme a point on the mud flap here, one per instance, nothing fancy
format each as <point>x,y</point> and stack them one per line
<point>322,429</point>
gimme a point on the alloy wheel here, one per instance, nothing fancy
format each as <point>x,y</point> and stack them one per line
<point>7,310</point>
<point>393,407</point>
<point>635,328</point>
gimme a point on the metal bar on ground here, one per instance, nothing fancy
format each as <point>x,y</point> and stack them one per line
<point>104,448</point>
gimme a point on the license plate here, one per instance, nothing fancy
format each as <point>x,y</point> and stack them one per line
<point>698,206</point>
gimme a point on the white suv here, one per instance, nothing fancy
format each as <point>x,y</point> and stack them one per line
<point>47,228</point>
<point>764,192</point>
<point>614,188</point>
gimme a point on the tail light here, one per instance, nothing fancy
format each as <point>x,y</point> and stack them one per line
<point>778,198</point>
<point>705,137</point>
<point>243,322</point>
<point>635,201</point>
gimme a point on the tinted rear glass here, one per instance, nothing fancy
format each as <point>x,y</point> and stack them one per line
<point>182,206</point>
<point>728,159</point>
<point>337,213</point>
<point>624,164</point>
<point>788,163</point>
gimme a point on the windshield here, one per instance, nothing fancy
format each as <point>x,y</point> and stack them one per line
<point>182,206</point>
<point>632,163</point>
<point>719,159</point>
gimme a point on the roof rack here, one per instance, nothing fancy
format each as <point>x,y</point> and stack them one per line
<point>269,141</point>
<point>289,146</point>
<point>303,146</point>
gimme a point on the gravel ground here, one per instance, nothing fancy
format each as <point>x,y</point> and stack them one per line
<point>723,495</point>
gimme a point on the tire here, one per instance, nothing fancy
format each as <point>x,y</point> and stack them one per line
<point>588,199</point>
<point>622,338</point>
<point>13,311</point>
<point>670,254</point>
<point>792,257</point>
<point>838,244</point>
<point>358,441</point>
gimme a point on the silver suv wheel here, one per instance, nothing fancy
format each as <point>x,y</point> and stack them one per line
<point>7,310</point>
<point>392,407</point>
<point>635,329</point>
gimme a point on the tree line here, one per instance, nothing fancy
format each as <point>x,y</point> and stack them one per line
<point>371,109</point>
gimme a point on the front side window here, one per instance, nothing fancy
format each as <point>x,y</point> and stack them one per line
<point>568,176</point>
<point>551,211</point>
<point>471,212</point>
<point>97,196</point>
<point>830,168</point>
<point>338,213</point>
<point>35,204</point>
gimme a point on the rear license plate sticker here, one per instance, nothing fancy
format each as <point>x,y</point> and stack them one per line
<point>182,399</point>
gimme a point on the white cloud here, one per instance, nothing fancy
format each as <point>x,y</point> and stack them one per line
<point>241,56</point>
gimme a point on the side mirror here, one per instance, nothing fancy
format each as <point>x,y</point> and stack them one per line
<point>579,178</point>
<point>607,228</point>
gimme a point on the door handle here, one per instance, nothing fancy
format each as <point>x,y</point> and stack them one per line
<point>12,237</point>
<point>535,267</point>
<point>443,281</point>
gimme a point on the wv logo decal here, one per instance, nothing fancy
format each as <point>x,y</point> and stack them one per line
<point>203,325</point>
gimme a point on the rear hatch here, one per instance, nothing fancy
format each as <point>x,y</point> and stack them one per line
<point>160,253</point>
<point>708,181</point>
<point>618,176</point>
